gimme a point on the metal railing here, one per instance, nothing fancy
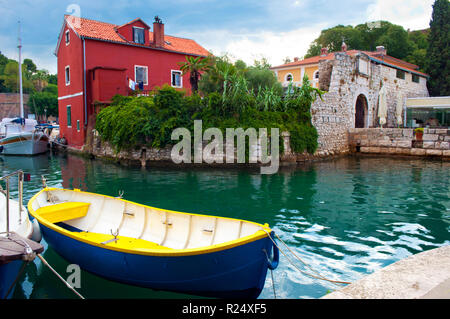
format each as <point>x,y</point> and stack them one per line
<point>7,178</point>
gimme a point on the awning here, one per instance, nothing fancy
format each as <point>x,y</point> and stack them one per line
<point>435,103</point>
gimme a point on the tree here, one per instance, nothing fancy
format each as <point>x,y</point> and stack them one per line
<point>45,102</point>
<point>194,66</point>
<point>29,64</point>
<point>397,41</point>
<point>10,78</point>
<point>332,40</point>
<point>438,63</point>
<point>419,42</point>
<point>40,79</point>
<point>219,72</point>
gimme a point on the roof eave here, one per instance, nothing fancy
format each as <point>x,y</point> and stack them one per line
<point>143,47</point>
<point>398,67</point>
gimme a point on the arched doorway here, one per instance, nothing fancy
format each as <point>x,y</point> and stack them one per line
<point>361,111</point>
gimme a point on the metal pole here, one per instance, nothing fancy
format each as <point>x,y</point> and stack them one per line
<point>7,207</point>
<point>20,196</point>
<point>22,115</point>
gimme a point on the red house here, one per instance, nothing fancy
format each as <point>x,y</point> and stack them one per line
<point>98,60</point>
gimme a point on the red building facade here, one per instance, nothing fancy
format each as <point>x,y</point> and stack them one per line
<point>98,60</point>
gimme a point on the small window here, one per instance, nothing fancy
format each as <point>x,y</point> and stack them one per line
<point>401,74</point>
<point>141,74</point>
<point>69,116</point>
<point>177,79</point>
<point>138,35</point>
<point>67,37</point>
<point>415,78</point>
<point>78,125</point>
<point>316,75</point>
<point>289,77</point>
<point>67,75</point>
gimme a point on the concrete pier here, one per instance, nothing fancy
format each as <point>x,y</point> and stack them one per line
<point>422,276</point>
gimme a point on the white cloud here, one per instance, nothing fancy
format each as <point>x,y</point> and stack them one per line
<point>42,55</point>
<point>275,46</point>
<point>411,14</point>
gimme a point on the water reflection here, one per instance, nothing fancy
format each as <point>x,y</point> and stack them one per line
<point>344,218</point>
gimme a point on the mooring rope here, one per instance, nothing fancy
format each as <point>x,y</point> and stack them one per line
<point>273,285</point>
<point>62,279</point>
<point>319,276</point>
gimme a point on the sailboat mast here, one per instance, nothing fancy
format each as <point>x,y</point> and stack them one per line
<point>20,75</point>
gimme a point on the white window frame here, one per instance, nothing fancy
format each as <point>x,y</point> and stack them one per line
<point>67,36</point>
<point>134,40</point>
<point>314,75</point>
<point>146,74</point>
<point>67,108</point>
<point>286,76</point>
<point>65,74</point>
<point>181,78</point>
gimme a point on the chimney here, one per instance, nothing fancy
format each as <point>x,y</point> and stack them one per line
<point>296,59</point>
<point>158,33</point>
<point>381,50</point>
<point>344,47</point>
<point>324,51</point>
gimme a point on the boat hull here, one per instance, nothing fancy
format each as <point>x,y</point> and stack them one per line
<point>237,272</point>
<point>8,274</point>
<point>25,144</point>
<point>21,226</point>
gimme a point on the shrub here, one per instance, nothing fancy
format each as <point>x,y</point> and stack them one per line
<point>134,121</point>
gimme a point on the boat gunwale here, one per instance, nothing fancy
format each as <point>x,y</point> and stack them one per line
<point>260,234</point>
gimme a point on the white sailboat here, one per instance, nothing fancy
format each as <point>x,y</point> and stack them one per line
<point>22,136</point>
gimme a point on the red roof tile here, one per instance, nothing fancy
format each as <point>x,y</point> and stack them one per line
<point>107,32</point>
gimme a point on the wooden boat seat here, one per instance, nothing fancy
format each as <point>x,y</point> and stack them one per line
<point>122,242</point>
<point>63,212</point>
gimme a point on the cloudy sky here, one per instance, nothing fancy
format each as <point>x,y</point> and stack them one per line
<point>245,29</point>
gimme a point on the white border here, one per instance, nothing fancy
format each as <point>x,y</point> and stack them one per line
<point>65,74</point>
<point>69,96</point>
<point>133,34</point>
<point>181,78</point>
<point>286,80</point>
<point>141,66</point>
<point>65,37</point>
<point>67,119</point>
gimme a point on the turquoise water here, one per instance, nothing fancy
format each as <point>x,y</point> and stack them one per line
<point>345,218</point>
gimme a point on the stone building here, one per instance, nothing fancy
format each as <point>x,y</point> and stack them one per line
<point>352,81</point>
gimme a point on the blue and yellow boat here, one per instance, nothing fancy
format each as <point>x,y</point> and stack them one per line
<point>156,248</point>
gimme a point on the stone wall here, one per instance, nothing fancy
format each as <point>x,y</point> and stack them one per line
<point>10,105</point>
<point>435,142</point>
<point>334,114</point>
<point>147,156</point>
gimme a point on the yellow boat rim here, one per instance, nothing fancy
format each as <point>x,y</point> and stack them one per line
<point>120,225</point>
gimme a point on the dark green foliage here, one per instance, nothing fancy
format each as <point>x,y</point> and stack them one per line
<point>127,121</point>
<point>438,66</point>
<point>33,79</point>
<point>45,100</point>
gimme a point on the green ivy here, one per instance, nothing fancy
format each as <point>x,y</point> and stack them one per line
<point>131,122</point>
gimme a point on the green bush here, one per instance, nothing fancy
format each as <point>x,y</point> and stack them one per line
<point>134,121</point>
